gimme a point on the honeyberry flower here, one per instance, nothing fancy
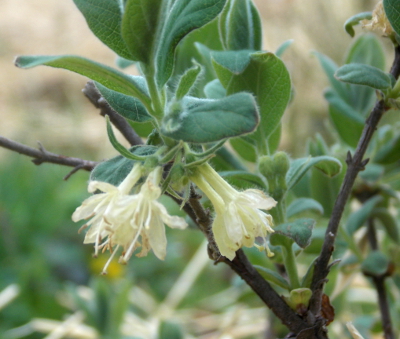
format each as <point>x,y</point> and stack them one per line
<point>118,219</point>
<point>141,215</point>
<point>98,205</point>
<point>239,218</point>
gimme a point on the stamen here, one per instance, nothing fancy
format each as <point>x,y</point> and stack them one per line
<point>104,272</point>
<point>82,228</point>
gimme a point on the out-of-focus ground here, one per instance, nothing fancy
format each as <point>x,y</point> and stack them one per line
<point>46,104</point>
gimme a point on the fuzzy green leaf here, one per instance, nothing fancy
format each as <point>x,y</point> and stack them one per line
<point>348,122</point>
<point>299,231</point>
<point>355,20</point>
<point>328,165</point>
<point>304,204</point>
<point>104,19</point>
<point>206,120</point>
<point>388,222</point>
<point>107,76</point>
<point>214,90</point>
<point>265,76</point>
<point>183,17</point>
<point>125,105</point>
<point>389,153</point>
<point>360,74</point>
<point>273,276</point>
<point>186,81</point>
<point>359,217</point>
<point>366,49</point>
<point>245,148</point>
<point>283,47</point>
<point>240,26</point>
<point>243,179</point>
<point>375,264</point>
<point>392,10</point>
<point>329,67</point>
<point>139,28</point>
<point>115,170</point>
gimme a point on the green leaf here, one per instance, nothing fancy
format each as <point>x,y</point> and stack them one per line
<point>184,17</point>
<point>307,278</point>
<point>348,122</point>
<point>119,306</point>
<point>388,222</point>
<point>375,264</point>
<point>225,160</point>
<point>266,77</point>
<point>325,190</point>
<point>169,330</point>
<point>125,105</point>
<point>274,139</point>
<point>118,147</point>
<point>304,204</point>
<point>359,217</point>
<point>244,148</point>
<point>192,47</point>
<point>366,49</point>
<point>389,153</point>
<point>206,120</point>
<point>299,231</point>
<point>392,10</point>
<point>115,170</point>
<point>214,90</point>
<point>140,24</point>
<point>187,81</point>
<point>361,74</point>
<point>123,63</point>
<point>355,20</point>
<point>104,19</point>
<point>273,277</point>
<point>328,165</point>
<point>240,26</point>
<point>243,180</point>
<point>107,76</point>
<point>227,63</point>
<point>330,68</point>
<point>283,47</point>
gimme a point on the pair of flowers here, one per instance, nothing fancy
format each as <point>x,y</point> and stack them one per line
<point>118,219</point>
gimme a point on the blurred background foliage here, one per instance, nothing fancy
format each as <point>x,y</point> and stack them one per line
<point>40,249</point>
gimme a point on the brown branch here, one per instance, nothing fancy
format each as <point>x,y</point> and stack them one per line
<point>241,265</point>
<point>41,155</point>
<point>379,283</point>
<point>94,96</point>
<point>355,165</point>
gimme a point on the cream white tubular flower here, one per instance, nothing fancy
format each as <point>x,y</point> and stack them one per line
<point>119,219</point>
<point>141,215</point>
<point>239,217</point>
<point>98,205</point>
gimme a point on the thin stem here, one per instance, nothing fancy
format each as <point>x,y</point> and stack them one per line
<point>290,266</point>
<point>379,282</point>
<point>355,165</point>
<point>41,155</point>
<point>384,307</point>
<point>158,110</point>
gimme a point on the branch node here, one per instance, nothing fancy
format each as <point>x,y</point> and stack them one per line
<point>349,158</point>
<point>362,165</point>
